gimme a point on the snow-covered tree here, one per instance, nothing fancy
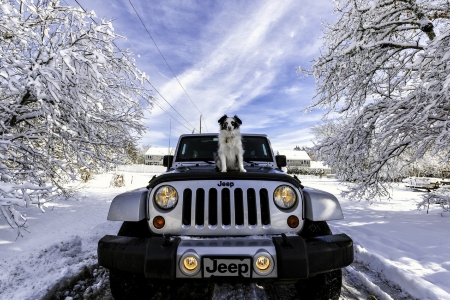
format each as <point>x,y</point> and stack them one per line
<point>385,71</point>
<point>69,100</point>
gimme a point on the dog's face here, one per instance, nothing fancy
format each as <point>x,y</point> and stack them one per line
<point>229,124</point>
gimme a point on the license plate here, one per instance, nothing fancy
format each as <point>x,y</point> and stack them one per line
<point>227,267</point>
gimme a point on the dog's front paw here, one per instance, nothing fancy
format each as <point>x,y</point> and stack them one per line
<point>223,170</point>
<point>243,170</point>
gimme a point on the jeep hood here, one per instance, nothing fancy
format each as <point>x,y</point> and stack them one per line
<point>210,172</point>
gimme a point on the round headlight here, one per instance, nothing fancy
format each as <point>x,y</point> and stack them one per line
<point>284,197</point>
<point>166,197</point>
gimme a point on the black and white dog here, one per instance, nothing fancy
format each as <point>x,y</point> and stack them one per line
<point>230,154</point>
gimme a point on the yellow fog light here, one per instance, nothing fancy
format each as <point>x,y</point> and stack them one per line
<point>190,263</point>
<point>263,263</point>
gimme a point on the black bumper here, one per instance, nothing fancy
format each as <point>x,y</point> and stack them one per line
<point>155,257</point>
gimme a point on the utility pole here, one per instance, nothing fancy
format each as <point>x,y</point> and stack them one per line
<point>200,123</point>
<point>170,132</point>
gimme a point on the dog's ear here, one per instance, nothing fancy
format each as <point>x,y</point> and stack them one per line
<point>221,120</point>
<point>237,120</point>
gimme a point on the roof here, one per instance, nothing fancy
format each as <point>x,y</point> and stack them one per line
<point>217,134</point>
<point>158,151</point>
<point>291,154</point>
<point>319,165</point>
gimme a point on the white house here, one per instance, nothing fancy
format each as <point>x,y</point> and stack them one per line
<point>296,158</point>
<point>154,155</point>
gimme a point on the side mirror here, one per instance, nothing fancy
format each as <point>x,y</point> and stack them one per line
<point>167,161</point>
<point>281,161</point>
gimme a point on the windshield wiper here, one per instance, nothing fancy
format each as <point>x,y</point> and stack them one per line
<point>209,162</point>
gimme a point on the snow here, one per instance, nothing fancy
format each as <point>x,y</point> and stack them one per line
<point>409,248</point>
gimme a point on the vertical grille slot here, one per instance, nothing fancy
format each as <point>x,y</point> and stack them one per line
<point>251,204</point>
<point>239,207</point>
<point>264,203</point>
<point>200,207</point>
<point>187,203</point>
<point>212,208</point>
<point>226,214</point>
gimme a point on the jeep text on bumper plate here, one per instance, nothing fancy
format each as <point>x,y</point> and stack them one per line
<point>240,267</point>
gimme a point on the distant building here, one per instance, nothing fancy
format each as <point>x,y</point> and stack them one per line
<point>154,156</point>
<point>295,159</point>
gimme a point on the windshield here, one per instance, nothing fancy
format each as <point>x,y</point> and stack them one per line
<point>204,148</point>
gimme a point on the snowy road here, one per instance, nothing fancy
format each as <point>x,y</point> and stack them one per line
<point>394,243</point>
<point>358,283</point>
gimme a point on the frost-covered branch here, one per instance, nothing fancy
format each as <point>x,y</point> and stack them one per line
<point>69,100</point>
<point>385,71</point>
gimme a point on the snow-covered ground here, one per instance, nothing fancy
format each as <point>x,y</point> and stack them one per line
<point>61,242</point>
<point>408,248</point>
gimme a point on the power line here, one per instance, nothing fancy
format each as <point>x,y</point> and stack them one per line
<point>148,32</point>
<point>170,116</point>
<point>152,84</point>
<point>169,104</point>
<point>159,105</point>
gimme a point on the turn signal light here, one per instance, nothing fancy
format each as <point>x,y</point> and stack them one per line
<point>159,222</point>
<point>293,221</point>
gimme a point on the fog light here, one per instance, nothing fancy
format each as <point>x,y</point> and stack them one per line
<point>263,263</point>
<point>293,221</point>
<point>159,222</point>
<point>190,263</point>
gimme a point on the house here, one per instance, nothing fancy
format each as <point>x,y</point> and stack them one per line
<point>154,155</point>
<point>296,159</point>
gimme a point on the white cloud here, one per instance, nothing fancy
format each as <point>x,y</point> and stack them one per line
<point>230,56</point>
<point>292,90</point>
<point>288,141</point>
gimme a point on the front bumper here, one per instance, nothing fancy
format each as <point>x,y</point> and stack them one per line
<point>294,257</point>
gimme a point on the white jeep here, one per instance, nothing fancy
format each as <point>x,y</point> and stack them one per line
<point>194,223</point>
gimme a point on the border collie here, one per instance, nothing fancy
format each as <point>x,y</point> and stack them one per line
<point>230,154</point>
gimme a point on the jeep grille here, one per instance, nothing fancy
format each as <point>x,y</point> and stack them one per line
<point>205,209</point>
<point>230,210</point>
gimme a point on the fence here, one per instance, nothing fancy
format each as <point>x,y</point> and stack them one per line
<point>141,168</point>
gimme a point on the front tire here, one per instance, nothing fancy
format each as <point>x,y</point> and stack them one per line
<point>321,286</point>
<point>126,285</point>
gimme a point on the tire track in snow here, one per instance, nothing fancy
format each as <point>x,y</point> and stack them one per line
<point>358,283</point>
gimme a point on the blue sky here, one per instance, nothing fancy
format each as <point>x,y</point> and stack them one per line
<point>232,57</point>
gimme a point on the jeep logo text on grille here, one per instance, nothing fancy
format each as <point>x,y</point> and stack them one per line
<point>230,184</point>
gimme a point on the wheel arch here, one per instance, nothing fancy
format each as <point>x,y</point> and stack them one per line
<point>321,206</point>
<point>129,206</point>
